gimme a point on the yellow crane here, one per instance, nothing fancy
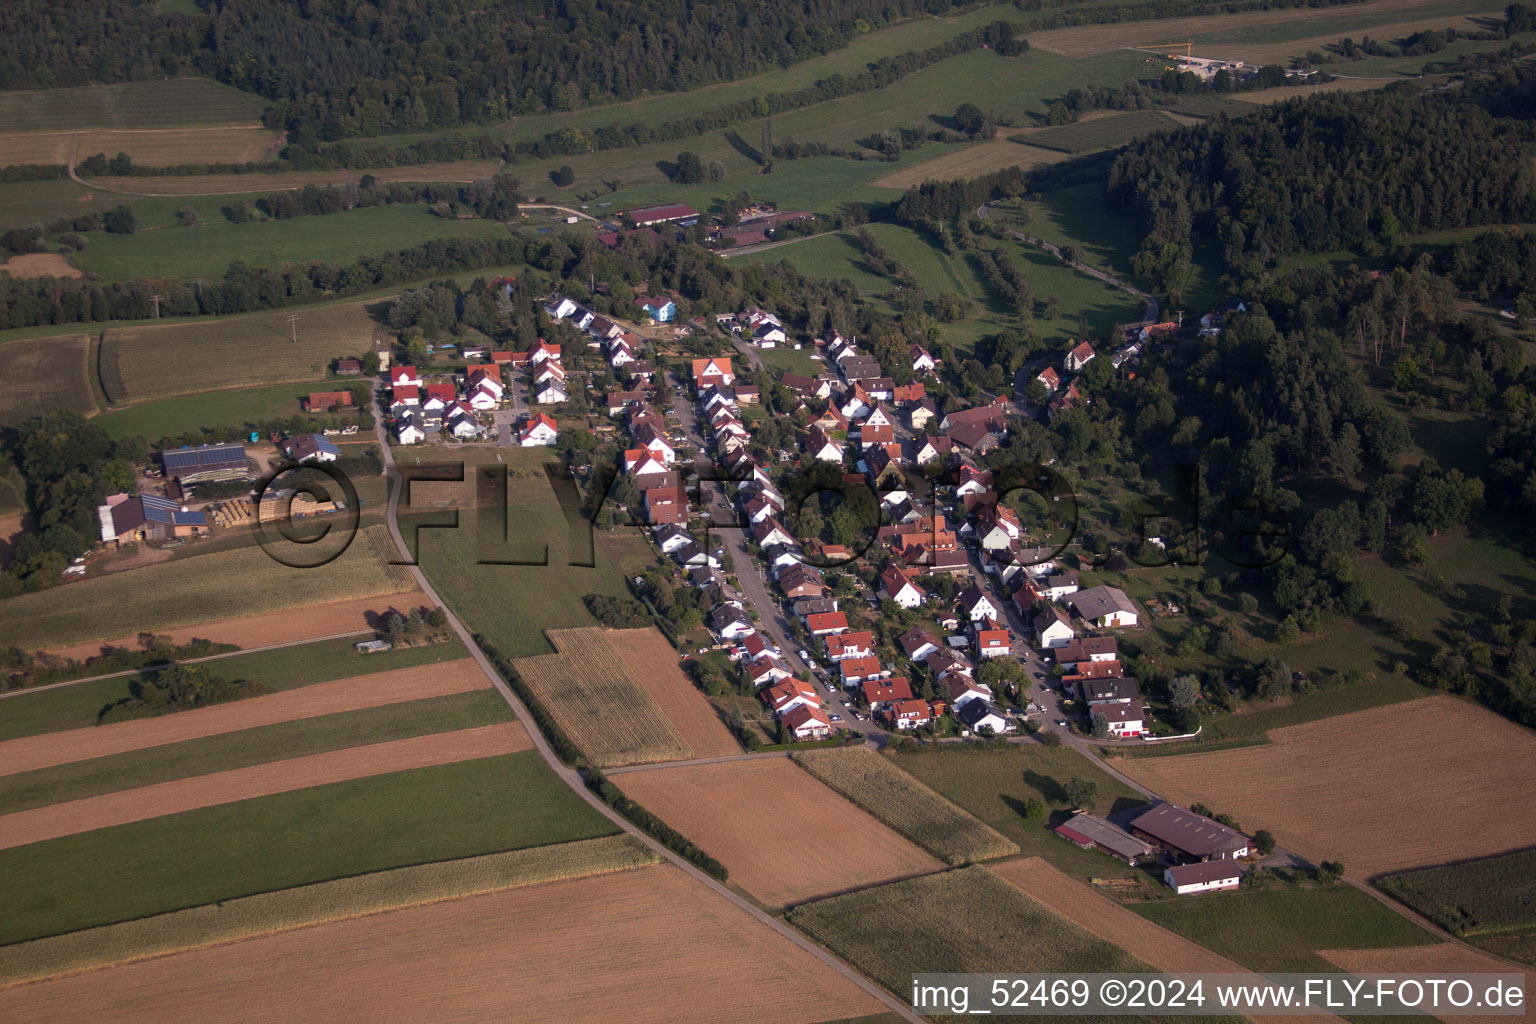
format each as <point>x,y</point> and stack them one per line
<point>1162,48</point>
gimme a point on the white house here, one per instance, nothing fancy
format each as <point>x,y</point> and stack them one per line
<point>461,420</point>
<point>1105,607</point>
<point>1078,358</point>
<point>896,585</point>
<point>540,429</point>
<point>787,694</point>
<point>551,393</point>
<point>560,307</point>
<point>408,429</point>
<point>1053,627</point>
<point>922,362</point>
<point>404,375</point>
<point>807,723</point>
<point>482,396</point>
<point>981,716</point>
<point>977,605</point>
<point>1125,721</point>
<point>1205,876</point>
<point>1058,586</point>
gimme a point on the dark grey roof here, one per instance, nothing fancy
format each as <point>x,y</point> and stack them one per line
<point>202,458</point>
<point>1195,834</point>
<point>1204,871</point>
<point>973,711</point>
<point>1117,688</point>
<point>1107,835</point>
<point>1096,602</point>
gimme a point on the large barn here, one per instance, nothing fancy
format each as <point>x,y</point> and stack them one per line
<point>205,462</point>
<point>1187,835</point>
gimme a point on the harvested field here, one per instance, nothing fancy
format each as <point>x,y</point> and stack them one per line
<point>286,909</point>
<point>207,588</point>
<point>640,946</point>
<point>307,623</point>
<point>1107,918</point>
<point>38,264</point>
<point>1446,958</point>
<point>32,752</point>
<point>235,184</point>
<point>107,810</point>
<point>1355,788</point>
<point>136,362</point>
<point>44,375</point>
<point>1379,19</point>
<point>149,104</point>
<point>970,162</point>
<point>654,663</point>
<point>595,698</point>
<point>152,147</point>
<point>906,805</point>
<point>783,836</point>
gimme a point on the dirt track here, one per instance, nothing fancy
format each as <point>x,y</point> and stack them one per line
<point>1423,782</point>
<point>305,623</point>
<point>654,663</point>
<point>641,946</point>
<point>38,824</point>
<point>783,835</point>
<point>1109,920</point>
<point>351,694</point>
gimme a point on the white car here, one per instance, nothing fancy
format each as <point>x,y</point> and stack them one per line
<point>834,718</point>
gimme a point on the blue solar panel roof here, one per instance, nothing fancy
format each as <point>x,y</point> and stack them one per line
<point>206,456</point>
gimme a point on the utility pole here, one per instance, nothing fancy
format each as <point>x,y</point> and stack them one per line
<point>293,326</point>
<point>155,302</point>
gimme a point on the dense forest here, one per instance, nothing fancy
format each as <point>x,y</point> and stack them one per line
<point>1337,171</point>
<point>358,69</point>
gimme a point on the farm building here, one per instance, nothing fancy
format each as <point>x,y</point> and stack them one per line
<point>663,214</point>
<point>1105,607</point>
<point>329,401</point>
<point>1093,833</point>
<point>1194,837</point>
<point>1207,876</point>
<point>128,518</point>
<point>205,462</point>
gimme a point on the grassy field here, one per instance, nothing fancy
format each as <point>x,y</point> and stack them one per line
<point>43,376</point>
<point>960,921</point>
<point>1476,898</point>
<point>148,147</point>
<point>150,362</point>
<point>906,805</point>
<point>236,412</point>
<point>512,605</point>
<point>464,809</point>
<point>185,592</point>
<point>77,706</point>
<point>207,249</point>
<point>970,162</point>
<point>151,104</point>
<point>298,907</point>
<point>597,701</point>
<point>995,784</point>
<point>1100,132</point>
<point>1279,929</point>
<point>227,751</point>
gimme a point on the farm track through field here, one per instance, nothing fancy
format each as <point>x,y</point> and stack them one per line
<point>350,694</point>
<point>188,794</point>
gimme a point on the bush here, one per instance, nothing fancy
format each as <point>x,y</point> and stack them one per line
<point>654,826</point>
<point>177,688</point>
<point>1050,739</point>
<point>564,749</point>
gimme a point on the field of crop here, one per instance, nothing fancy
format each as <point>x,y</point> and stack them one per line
<point>143,363</point>
<point>996,785</point>
<point>1355,788</point>
<point>188,591</point>
<point>653,662</point>
<point>286,909</point>
<point>151,147</point>
<point>108,810</point>
<point>1480,897</point>
<point>1100,132</point>
<point>229,751</point>
<point>288,839</point>
<point>906,805</point>
<point>595,698</point>
<point>970,162</point>
<point>207,249</point>
<point>45,750</point>
<point>1282,929</point>
<point>649,946</point>
<point>784,836</point>
<point>43,376</point>
<point>150,104</point>
<point>962,921</point>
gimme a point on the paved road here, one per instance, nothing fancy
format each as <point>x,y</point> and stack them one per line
<point>187,661</point>
<point>753,356</point>
<point>572,778</point>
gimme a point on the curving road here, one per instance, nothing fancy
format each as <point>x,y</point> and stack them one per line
<point>573,778</point>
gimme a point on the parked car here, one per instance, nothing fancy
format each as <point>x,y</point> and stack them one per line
<point>834,718</point>
<point>805,655</point>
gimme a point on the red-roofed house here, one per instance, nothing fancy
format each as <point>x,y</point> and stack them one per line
<point>1078,358</point>
<point>826,623</point>
<point>896,585</point>
<point>841,646</point>
<point>787,694</point>
<point>993,643</point>
<point>712,371</point>
<point>666,505</point>
<point>807,723</point>
<point>856,670</point>
<point>907,714</point>
<point>399,375</point>
<point>543,350</point>
<point>540,429</point>
<point>883,691</point>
